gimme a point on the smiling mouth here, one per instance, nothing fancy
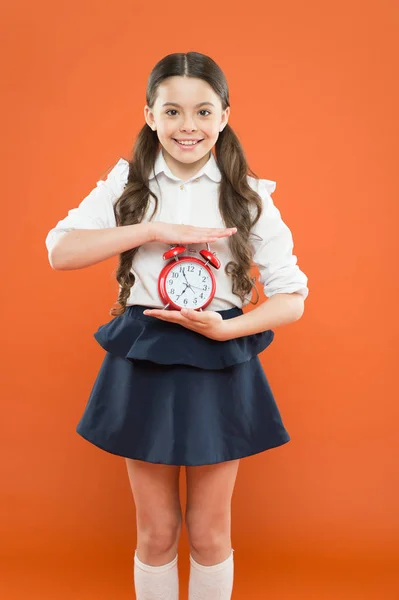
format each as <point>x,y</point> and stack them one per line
<point>187,142</point>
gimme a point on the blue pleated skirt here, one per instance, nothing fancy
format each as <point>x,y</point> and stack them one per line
<point>168,395</point>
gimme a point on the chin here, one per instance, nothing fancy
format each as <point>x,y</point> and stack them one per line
<point>191,156</point>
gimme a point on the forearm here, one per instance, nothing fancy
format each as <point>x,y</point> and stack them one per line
<point>280,309</point>
<point>85,247</point>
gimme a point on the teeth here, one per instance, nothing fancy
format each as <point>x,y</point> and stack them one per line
<point>187,143</point>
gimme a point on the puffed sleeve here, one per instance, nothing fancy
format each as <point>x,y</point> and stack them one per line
<point>273,250</point>
<point>96,210</point>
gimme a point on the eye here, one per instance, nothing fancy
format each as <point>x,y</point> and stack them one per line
<point>174,110</point>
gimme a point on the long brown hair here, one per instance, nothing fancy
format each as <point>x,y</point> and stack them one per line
<point>236,196</point>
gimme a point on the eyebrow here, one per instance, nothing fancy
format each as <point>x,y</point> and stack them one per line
<point>179,106</point>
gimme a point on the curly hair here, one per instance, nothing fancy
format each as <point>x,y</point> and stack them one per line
<point>236,196</point>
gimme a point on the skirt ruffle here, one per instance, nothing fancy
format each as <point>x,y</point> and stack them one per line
<point>166,394</point>
<point>136,336</point>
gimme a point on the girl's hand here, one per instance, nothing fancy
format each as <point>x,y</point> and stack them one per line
<point>169,233</point>
<point>208,323</point>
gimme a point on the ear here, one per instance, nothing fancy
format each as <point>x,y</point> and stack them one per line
<point>149,117</point>
<point>225,118</point>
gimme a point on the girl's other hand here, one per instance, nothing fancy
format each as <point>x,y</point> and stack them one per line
<point>170,233</point>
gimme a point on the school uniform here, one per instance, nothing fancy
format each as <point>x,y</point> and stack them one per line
<point>166,394</point>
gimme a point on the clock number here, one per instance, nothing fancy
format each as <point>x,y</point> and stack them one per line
<point>190,268</point>
<point>205,287</point>
<point>185,300</point>
<point>175,274</point>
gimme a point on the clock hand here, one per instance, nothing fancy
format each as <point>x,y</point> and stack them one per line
<point>188,284</point>
<point>181,293</point>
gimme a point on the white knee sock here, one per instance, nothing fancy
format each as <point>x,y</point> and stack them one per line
<point>156,583</point>
<point>211,582</point>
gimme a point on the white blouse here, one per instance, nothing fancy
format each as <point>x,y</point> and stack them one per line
<point>192,202</point>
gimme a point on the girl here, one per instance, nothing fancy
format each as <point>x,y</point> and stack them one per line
<point>184,387</point>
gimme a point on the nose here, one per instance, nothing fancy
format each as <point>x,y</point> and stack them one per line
<point>188,124</point>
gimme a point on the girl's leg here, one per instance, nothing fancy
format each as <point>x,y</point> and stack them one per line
<point>208,519</point>
<point>155,491</point>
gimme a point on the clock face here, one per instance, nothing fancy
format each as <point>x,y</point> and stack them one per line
<point>188,284</point>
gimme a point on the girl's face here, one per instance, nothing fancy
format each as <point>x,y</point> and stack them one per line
<point>185,109</point>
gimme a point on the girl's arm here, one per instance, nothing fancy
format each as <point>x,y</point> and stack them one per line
<point>88,234</point>
<point>273,249</point>
<point>81,248</point>
<point>283,282</point>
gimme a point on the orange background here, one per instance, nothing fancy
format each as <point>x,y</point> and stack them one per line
<point>314,99</point>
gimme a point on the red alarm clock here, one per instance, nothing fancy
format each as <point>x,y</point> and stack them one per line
<point>187,282</point>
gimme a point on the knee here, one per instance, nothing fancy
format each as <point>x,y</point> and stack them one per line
<point>208,534</point>
<point>157,541</point>
<point>158,536</point>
